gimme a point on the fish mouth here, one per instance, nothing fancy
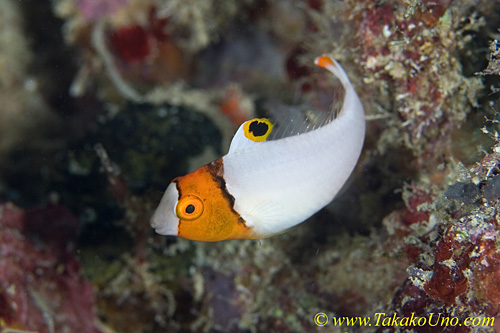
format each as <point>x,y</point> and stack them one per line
<point>164,220</point>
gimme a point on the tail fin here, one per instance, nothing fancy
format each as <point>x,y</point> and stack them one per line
<point>334,67</point>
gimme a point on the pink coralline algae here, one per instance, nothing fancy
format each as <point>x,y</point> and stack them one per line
<point>94,10</point>
<point>41,288</point>
<point>412,54</point>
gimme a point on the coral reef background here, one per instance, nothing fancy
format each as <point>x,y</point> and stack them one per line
<point>103,102</point>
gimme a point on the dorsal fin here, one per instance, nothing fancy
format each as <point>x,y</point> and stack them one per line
<point>312,113</point>
<point>297,119</point>
<point>251,133</point>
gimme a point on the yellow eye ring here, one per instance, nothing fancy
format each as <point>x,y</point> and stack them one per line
<point>189,207</point>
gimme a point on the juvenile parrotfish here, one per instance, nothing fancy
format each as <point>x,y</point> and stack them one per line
<point>264,186</point>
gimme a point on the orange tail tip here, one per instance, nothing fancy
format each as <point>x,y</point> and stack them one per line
<point>324,61</point>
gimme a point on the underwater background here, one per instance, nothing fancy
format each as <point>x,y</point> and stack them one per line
<point>104,102</point>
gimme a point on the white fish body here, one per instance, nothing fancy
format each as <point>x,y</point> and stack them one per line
<point>278,184</point>
<point>260,189</point>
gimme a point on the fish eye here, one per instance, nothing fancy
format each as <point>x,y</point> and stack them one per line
<point>189,207</point>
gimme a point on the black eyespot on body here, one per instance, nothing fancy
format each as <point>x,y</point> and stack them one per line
<point>258,128</point>
<point>189,209</point>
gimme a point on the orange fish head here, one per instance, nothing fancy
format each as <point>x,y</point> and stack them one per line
<point>198,207</point>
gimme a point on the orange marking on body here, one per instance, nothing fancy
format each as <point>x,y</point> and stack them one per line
<point>219,221</point>
<point>324,62</point>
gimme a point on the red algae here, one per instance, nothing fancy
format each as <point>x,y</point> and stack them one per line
<point>41,286</point>
<point>415,213</point>
<point>132,43</point>
<point>447,283</point>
